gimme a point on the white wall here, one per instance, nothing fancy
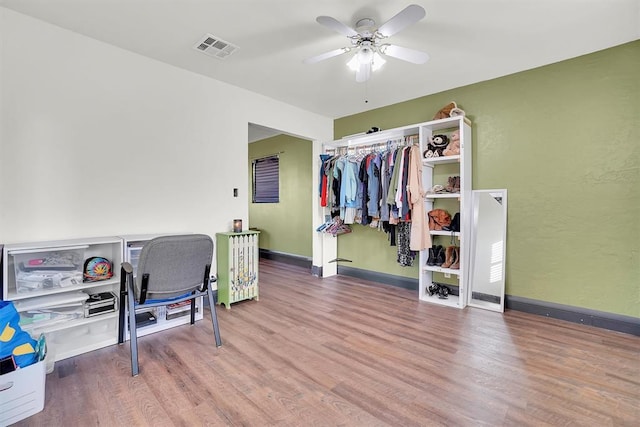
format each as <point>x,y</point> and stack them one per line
<point>96,140</point>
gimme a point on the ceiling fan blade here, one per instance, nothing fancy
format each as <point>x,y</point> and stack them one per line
<point>364,72</point>
<point>326,55</point>
<point>406,54</point>
<point>335,25</point>
<point>409,15</point>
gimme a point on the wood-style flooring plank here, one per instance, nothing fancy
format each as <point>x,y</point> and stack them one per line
<point>343,351</point>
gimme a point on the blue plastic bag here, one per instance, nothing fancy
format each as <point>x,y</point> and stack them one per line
<point>13,340</point>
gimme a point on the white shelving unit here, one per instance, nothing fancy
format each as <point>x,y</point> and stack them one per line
<point>436,171</point>
<point>70,334</point>
<point>132,245</point>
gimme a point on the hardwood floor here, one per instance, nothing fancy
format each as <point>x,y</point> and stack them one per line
<point>343,351</point>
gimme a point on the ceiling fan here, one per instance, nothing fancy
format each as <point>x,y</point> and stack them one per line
<point>367,41</point>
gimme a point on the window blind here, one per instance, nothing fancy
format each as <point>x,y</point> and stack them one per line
<point>266,180</point>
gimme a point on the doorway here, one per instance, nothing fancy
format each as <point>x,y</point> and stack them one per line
<point>285,226</point>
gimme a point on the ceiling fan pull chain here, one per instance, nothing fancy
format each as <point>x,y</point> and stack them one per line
<point>366,92</point>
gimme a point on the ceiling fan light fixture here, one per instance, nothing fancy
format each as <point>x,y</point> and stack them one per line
<point>377,62</point>
<point>353,63</point>
<point>365,41</point>
<point>365,56</point>
<point>364,72</point>
<point>368,59</point>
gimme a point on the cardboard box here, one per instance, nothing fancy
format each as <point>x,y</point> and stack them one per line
<point>22,393</point>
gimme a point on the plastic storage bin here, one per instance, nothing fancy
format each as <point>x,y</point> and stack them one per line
<point>22,393</point>
<point>134,255</point>
<point>48,269</point>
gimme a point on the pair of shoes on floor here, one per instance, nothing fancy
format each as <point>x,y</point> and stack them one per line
<point>438,289</point>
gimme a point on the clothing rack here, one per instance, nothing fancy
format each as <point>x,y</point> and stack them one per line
<point>365,180</point>
<point>350,147</point>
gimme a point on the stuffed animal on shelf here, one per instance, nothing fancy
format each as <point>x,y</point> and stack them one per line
<point>453,148</point>
<point>445,111</point>
<point>436,146</point>
<point>449,110</point>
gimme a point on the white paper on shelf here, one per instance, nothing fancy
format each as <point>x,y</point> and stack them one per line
<point>45,323</point>
<point>56,300</point>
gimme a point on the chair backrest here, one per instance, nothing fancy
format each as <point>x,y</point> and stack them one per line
<point>175,264</point>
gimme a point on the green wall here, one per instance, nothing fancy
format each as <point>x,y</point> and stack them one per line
<point>285,226</point>
<point>564,139</point>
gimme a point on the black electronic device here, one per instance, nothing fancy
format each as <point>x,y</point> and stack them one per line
<point>145,318</point>
<point>7,364</point>
<point>101,303</point>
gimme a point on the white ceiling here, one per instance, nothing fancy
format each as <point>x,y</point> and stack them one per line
<point>468,41</point>
<point>258,133</point>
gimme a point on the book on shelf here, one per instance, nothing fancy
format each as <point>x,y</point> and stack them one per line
<point>179,309</point>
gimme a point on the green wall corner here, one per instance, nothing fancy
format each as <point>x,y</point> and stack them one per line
<point>285,226</point>
<point>564,139</point>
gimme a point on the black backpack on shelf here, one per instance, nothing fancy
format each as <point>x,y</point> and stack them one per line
<point>455,224</point>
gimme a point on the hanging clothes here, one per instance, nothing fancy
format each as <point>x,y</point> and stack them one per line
<point>397,197</point>
<point>324,158</point>
<point>335,187</point>
<point>393,186</point>
<point>373,185</point>
<point>380,188</point>
<point>420,236</point>
<point>349,192</point>
<point>329,196</point>
<point>385,177</point>
<point>406,205</point>
<point>405,254</point>
<point>364,202</point>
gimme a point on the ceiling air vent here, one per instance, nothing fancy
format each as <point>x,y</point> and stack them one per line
<point>214,46</point>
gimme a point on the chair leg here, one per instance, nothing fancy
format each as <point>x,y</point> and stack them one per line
<point>214,317</point>
<point>121,306</point>
<point>133,335</point>
<point>121,319</point>
<point>193,311</point>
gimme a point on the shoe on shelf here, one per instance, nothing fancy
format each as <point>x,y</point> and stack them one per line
<point>453,184</point>
<point>456,263</point>
<point>436,189</point>
<point>432,256</point>
<point>449,257</point>
<point>443,292</point>
<point>440,255</point>
<point>433,289</point>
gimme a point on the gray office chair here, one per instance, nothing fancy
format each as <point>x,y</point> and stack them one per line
<point>171,269</point>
